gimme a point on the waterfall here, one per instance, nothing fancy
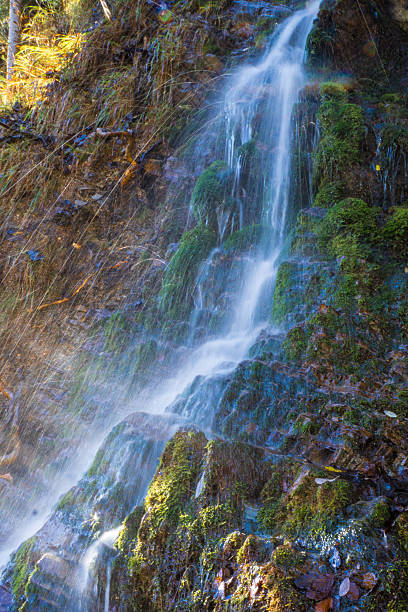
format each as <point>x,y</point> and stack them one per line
<point>270,85</point>
<point>275,81</point>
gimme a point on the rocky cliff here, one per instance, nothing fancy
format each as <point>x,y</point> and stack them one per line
<point>295,497</point>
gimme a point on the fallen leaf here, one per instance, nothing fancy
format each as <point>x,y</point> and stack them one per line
<point>7,477</point>
<point>378,167</point>
<point>76,245</point>
<point>324,605</point>
<point>390,414</point>
<point>369,580</point>
<point>4,391</point>
<point>344,587</point>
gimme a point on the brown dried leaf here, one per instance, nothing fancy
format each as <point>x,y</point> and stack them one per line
<point>324,606</point>
<point>354,592</point>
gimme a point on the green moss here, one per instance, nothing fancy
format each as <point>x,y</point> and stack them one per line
<point>352,219</point>
<point>332,498</point>
<point>318,46</point>
<point>305,425</point>
<point>67,501</point>
<point>210,192</point>
<point>401,527</point>
<point>333,90</point>
<point>285,297</point>
<point>394,136</point>
<point>115,332</point>
<point>315,509</point>
<point>21,568</point>
<point>342,132</point>
<point>249,237</point>
<point>146,355</point>
<point>295,343</point>
<point>380,514</point>
<point>269,515</point>
<point>396,231</point>
<point>175,478</point>
<point>178,282</point>
<point>286,557</point>
<point>128,534</point>
<point>396,585</point>
<point>248,550</point>
<point>329,193</point>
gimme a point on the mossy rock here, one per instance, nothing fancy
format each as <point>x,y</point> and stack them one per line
<point>211,192</point>
<point>285,296</point>
<point>249,237</point>
<point>342,132</point>
<point>22,569</point>
<point>401,526</point>
<point>351,218</point>
<point>318,47</point>
<point>146,355</point>
<point>396,231</point>
<point>178,282</point>
<point>295,343</point>
<point>394,137</point>
<point>329,193</point>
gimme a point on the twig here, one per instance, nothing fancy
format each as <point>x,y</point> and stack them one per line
<point>82,285</point>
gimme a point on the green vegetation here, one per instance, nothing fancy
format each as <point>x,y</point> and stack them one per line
<point>329,193</point>
<point>349,229</point>
<point>380,514</point>
<point>174,481</point>
<point>178,282</point>
<point>22,568</point>
<point>396,231</point>
<point>342,127</point>
<point>210,193</point>
<point>248,238</point>
<point>285,296</point>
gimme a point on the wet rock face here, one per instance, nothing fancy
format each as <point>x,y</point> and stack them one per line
<point>47,570</point>
<point>365,39</point>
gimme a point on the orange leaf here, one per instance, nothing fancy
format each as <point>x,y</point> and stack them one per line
<point>7,477</point>
<point>3,391</point>
<point>369,580</point>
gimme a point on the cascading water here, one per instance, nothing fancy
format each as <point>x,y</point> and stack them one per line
<point>259,100</point>
<point>275,83</point>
